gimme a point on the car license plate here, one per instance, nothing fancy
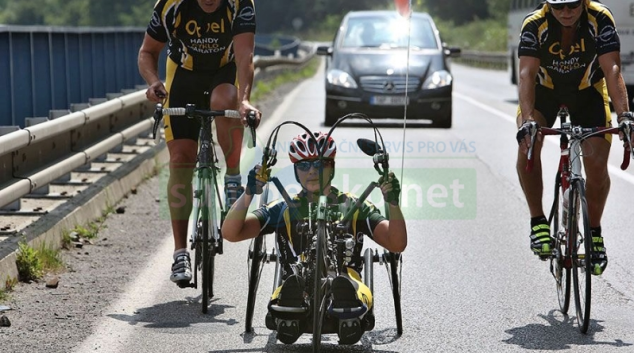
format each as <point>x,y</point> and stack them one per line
<point>387,100</point>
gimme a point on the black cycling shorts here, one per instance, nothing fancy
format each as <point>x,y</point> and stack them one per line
<point>189,87</point>
<point>588,107</point>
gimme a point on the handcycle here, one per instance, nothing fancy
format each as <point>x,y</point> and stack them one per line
<point>569,220</point>
<point>326,232</point>
<point>208,212</point>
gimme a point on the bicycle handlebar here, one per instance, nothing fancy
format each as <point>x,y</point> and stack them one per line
<point>583,133</point>
<point>192,111</point>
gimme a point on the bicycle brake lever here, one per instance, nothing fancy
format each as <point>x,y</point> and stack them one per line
<point>251,123</point>
<point>533,133</point>
<point>158,117</point>
<point>626,129</point>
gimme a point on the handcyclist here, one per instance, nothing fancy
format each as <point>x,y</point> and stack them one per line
<point>569,55</point>
<point>348,289</point>
<point>210,49</point>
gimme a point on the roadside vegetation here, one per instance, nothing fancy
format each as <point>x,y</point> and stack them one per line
<point>265,87</point>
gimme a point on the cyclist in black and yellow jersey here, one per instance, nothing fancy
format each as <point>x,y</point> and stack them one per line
<point>569,55</point>
<point>210,49</point>
<point>348,289</point>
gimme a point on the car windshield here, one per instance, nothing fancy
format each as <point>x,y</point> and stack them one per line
<point>382,32</point>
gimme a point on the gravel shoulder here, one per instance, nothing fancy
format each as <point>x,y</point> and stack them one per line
<point>58,319</point>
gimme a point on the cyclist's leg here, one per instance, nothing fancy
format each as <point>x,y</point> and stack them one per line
<point>224,95</point>
<point>596,151</point>
<point>545,111</point>
<point>363,292</point>
<point>181,135</point>
<point>230,131</point>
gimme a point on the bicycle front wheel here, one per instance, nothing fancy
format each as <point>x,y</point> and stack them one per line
<point>210,237</point>
<point>581,242</point>
<point>207,275</point>
<point>560,261</point>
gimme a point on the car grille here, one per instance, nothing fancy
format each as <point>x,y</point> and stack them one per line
<point>389,84</point>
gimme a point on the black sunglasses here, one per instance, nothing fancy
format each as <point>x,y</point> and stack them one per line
<point>304,166</point>
<point>570,5</point>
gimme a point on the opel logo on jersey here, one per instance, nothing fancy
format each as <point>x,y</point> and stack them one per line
<point>388,86</point>
<point>607,34</point>
<point>529,39</point>
<point>247,14</point>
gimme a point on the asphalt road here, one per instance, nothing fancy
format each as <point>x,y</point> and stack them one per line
<point>470,283</point>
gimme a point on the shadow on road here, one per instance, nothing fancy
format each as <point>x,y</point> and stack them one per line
<point>558,333</point>
<point>176,314</point>
<point>329,343</point>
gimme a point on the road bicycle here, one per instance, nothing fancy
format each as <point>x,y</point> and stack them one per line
<point>327,233</point>
<point>207,205</point>
<point>568,218</point>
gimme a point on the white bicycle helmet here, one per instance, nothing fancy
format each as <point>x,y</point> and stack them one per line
<point>303,147</point>
<point>561,1</point>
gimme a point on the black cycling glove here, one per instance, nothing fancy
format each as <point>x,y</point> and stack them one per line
<point>525,130</point>
<point>254,185</point>
<point>391,189</point>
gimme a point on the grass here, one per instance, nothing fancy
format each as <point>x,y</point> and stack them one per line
<point>29,263</point>
<point>265,87</point>
<point>34,263</point>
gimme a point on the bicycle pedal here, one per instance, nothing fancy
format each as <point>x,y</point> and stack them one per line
<point>186,284</point>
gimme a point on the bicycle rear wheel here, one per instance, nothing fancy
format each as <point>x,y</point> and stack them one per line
<point>560,262</point>
<point>319,290</point>
<point>581,242</point>
<point>255,261</point>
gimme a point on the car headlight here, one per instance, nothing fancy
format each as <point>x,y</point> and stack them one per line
<point>438,79</point>
<point>341,78</point>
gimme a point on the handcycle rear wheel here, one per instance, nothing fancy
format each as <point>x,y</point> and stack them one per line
<point>560,262</point>
<point>255,261</point>
<point>581,241</point>
<point>394,261</point>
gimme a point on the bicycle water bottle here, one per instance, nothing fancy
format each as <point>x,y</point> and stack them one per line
<point>564,213</point>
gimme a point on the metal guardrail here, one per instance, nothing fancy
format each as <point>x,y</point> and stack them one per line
<point>33,157</point>
<point>494,60</point>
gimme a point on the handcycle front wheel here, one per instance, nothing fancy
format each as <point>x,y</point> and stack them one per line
<point>581,242</point>
<point>255,263</point>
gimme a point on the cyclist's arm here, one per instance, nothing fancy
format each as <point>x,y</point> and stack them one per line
<point>529,67</point>
<point>392,234</point>
<point>148,66</point>
<point>240,225</point>
<point>611,66</point>
<point>243,45</point>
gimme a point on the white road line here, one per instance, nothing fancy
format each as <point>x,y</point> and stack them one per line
<point>615,171</point>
